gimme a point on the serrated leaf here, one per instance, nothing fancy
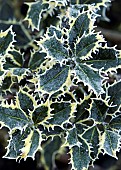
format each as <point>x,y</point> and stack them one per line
<point>16,57</point>
<point>81,111</point>
<point>91,135</point>
<point>115,123</point>
<point>104,58</point>
<point>110,142</point>
<point>36,60</point>
<point>85,46</point>
<point>79,149</point>
<point>55,48</point>
<point>60,114</point>
<point>34,13</point>
<point>80,158</point>
<point>54,78</point>
<point>79,27</point>
<point>13,118</point>
<point>98,111</point>
<point>40,114</point>
<point>89,77</point>
<point>6,40</point>
<point>16,143</point>
<point>25,102</point>
<point>23,144</point>
<point>22,36</point>
<point>114,91</point>
<point>32,144</point>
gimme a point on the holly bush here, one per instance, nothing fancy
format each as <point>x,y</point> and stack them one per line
<point>59,84</point>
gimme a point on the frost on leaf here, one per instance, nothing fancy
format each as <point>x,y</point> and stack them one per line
<point>90,77</point>
<point>23,144</point>
<point>13,118</point>
<point>110,143</point>
<point>54,78</point>
<point>34,13</point>
<point>55,48</point>
<point>79,27</point>
<point>60,114</point>
<point>104,58</point>
<point>79,149</point>
<point>98,111</point>
<point>40,114</point>
<point>80,158</point>
<point>92,136</point>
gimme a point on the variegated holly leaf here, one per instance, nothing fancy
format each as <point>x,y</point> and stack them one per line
<point>98,111</point>
<point>40,114</point>
<point>86,45</point>
<point>80,157</point>
<point>54,30</point>
<point>54,78</point>
<point>55,48</point>
<point>49,151</point>
<point>114,91</point>
<point>110,142</point>
<point>82,24</point>
<point>37,58</point>
<point>22,38</point>
<point>34,13</point>
<point>13,118</point>
<point>61,113</point>
<point>13,60</point>
<point>92,136</point>
<point>115,123</point>
<point>89,77</point>
<point>82,112</point>
<point>25,101</point>
<point>105,58</point>
<point>6,41</point>
<point>79,148</point>
<point>23,144</point>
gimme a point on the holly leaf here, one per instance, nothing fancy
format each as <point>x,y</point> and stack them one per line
<point>25,101</point>
<point>105,58</point>
<point>13,118</point>
<point>89,77</point>
<point>92,136</point>
<point>114,91</point>
<point>37,58</point>
<point>40,114</point>
<point>115,123</point>
<point>6,41</point>
<point>55,48</point>
<point>34,13</point>
<point>23,144</point>
<point>110,143</point>
<point>61,112</point>
<point>98,111</point>
<point>80,25</point>
<point>54,78</point>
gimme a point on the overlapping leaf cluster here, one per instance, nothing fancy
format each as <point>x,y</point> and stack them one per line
<point>62,97</point>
